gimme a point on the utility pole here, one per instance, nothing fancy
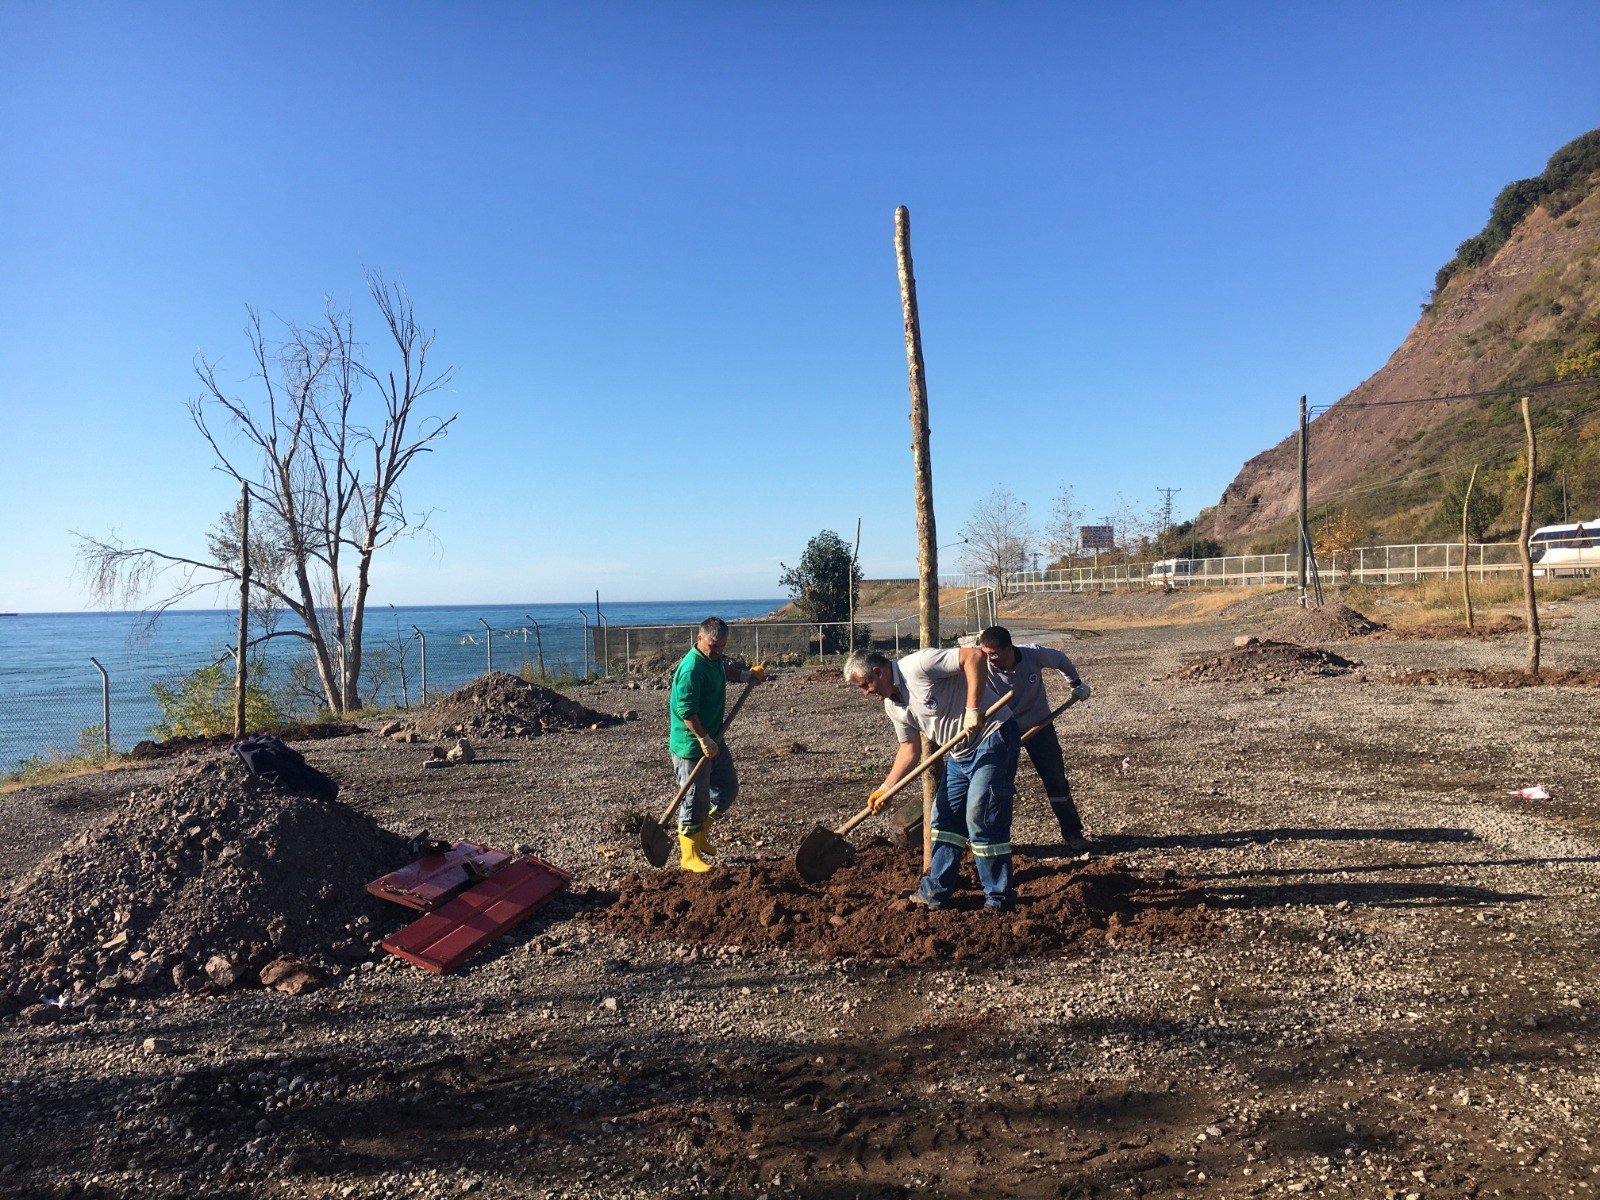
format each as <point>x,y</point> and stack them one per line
<point>1305,532</point>
<point>922,468</point>
<point>1522,544</point>
<point>855,556</point>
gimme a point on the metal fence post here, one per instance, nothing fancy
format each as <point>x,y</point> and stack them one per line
<point>105,704</point>
<point>423,638</point>
<point>488,641</point>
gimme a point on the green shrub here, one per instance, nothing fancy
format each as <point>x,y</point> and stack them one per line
<point>201,704</point>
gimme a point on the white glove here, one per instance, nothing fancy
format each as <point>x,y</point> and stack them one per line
<point>971,722</point>
<point>709,748</point>
<point>1080,690</point>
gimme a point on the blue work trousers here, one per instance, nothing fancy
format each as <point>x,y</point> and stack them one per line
<point>972,810</point>
<point>713,793</point>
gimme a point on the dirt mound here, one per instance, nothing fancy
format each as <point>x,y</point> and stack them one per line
<point>1261,662</point>
<point>1330,623</point>
<point>859,913</point>
<point>200,883</point>
<point>1481,677</point>
<point>315,731</point>
<point>501,705</point>
<point>1493,627</point>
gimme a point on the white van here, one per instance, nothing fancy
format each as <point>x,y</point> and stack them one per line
<point>1170,572</point>
<point>1566,549</point>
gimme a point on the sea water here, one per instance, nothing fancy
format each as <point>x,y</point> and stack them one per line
<point>51,691</point>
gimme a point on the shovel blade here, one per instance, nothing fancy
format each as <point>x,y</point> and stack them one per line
<point>906,824</point>
<point>655,841</point>
<point>821,854</point>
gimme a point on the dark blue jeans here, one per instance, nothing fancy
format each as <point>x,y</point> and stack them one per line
<point>1044,748</point>
<point>972,810</point>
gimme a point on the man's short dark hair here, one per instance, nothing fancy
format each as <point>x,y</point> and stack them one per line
<point>997,636</point>
<point>714,628</point>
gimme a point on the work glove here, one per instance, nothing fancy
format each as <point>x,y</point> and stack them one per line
<point>709,748</point>
<point>1080,690</point>
<point>971,723</point>
<point>875,801</point>
<point>757,673</point>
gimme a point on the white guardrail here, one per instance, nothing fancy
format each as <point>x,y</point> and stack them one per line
<point>1364,564</point>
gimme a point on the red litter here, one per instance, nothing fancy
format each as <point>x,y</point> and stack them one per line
<point>461,916</point>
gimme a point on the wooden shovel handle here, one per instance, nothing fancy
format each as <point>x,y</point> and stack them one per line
<point>923,767</point>
<point>701,765</point>
<point>1054,713</point>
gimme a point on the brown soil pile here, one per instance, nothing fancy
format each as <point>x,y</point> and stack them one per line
<point>201,883</point>
<point>860,912</point>
<point>312,732</point>
<point>1330,623</point>
<point>1476,677</point>
<point>1493,627</point>
<point>502,705</point>
<point>1263,662</point>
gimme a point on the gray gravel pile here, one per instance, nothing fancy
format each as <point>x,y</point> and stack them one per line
<point>502,705</point>
<point>200,883</point>
<point>1329,623</point>
<point>1258,662</point>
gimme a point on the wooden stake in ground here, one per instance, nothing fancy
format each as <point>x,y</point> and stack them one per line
<point>1466,579</point>
<point>1522,545</point>
<point>241,670</point>
<point>922,466</point>
<point>1305,529</point>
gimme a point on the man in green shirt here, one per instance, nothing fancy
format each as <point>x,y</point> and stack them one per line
<point>696,710</point>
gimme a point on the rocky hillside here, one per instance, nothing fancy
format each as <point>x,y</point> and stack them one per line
<point>1518,305</point>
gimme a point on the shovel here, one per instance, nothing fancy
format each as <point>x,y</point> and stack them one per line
<point>908,820</point>
<point>654,839</point>
<point>825,850</point>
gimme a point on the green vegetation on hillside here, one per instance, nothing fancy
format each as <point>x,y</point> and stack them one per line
<point>1567,179</point>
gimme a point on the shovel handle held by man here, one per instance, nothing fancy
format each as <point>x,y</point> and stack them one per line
<point>699,766</point>
<point>920,769</point>
<point>1050,720</point>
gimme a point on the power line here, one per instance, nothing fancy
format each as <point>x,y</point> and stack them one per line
<point>1505,391</point>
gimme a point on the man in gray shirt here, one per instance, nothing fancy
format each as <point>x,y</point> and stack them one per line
<point>1020,669</point>
<point>942,694</point>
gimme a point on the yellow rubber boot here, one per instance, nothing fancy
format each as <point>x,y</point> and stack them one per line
<point>703,838</point>
<point>689,853</point>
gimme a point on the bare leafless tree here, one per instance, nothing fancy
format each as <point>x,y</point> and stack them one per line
<point>1133,526</point>
<point>1063,532</point>
<point>997,536</point>
<point>322,448</point>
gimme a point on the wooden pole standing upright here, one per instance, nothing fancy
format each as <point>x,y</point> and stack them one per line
<point>241,669</point>
<point>1522,544</point>
<point>1466,578</point>
<point>1305,529</point>
<point>922,465</point>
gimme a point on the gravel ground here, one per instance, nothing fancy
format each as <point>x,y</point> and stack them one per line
<point>1402,1002</point>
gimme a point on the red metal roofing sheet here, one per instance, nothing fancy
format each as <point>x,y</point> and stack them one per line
<point>445,938</point>
<point>434,878</point>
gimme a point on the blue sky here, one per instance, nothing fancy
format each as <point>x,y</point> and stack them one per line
<point>655,241</point>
